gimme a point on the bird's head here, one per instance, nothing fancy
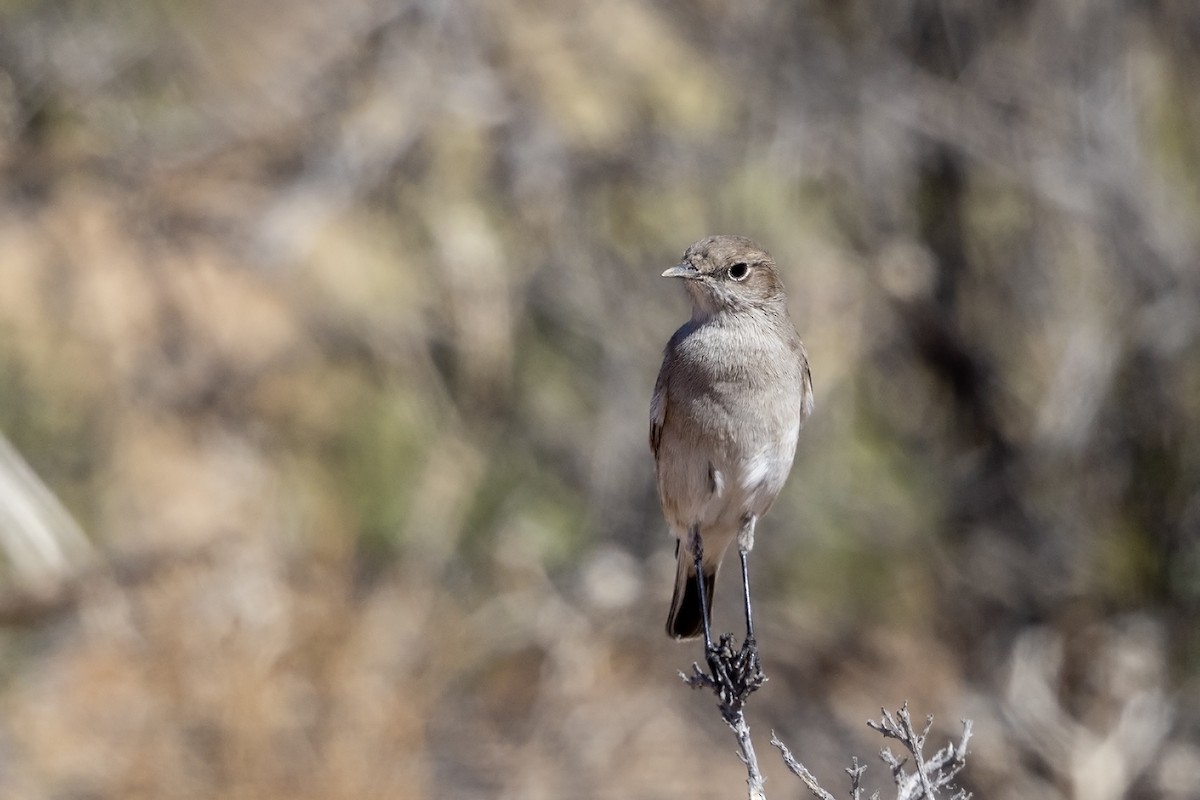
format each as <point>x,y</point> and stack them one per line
<point>729,273</point>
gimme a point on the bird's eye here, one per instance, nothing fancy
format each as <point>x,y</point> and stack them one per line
<point>739,271</point>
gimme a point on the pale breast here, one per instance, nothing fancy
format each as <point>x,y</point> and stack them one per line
<point>736,407</point>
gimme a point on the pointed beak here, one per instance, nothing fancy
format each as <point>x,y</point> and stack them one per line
<point>682,271</point>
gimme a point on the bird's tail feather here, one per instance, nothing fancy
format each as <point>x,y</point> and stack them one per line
<point>686,620</point>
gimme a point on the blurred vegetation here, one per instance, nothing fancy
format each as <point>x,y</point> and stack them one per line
<point>334,326</point>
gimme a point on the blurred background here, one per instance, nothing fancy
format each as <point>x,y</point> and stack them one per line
<point>327,338</point>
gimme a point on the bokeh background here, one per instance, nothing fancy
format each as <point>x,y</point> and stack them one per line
<point>327,336</point>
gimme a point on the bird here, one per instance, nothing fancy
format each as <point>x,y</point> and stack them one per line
<point>733,392</point>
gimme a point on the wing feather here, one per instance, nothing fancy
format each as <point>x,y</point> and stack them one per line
<point>658,410</point>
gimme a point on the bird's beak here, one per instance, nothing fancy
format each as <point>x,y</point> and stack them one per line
<point>682,271</point>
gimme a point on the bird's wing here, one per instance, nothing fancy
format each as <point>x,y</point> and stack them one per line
<point>806,395</point>
<point>658,410</point>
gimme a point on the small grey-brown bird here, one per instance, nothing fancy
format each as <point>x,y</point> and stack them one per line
<point>732,394</point>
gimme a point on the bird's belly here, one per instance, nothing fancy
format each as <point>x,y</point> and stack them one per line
<point>733,461</point>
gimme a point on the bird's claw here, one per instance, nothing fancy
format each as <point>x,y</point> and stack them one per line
<point>733,675</point>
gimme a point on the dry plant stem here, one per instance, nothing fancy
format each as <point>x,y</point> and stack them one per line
<point>799,770</point>
<point>733,677</point>
<point>931,774</point>
<point>855,771</point>
<point>914,742</point>
<point>754,778</point>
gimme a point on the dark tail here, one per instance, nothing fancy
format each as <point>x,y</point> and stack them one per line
<point>686,621</point>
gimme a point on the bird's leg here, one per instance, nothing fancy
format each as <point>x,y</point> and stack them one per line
<point>719,659</point>
<point>745,545</point>
<point>734,675</point>
<point>746,597</point>
<point>697,548</point>
<point>749,663</point>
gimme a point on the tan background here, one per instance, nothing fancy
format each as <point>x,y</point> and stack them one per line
<point>327,334</point>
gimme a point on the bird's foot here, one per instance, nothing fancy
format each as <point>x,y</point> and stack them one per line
<point>733,676</point>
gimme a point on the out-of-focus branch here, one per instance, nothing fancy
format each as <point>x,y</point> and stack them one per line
<point>1126,670</point>
<point>28,605</point>
<point>42,541</point>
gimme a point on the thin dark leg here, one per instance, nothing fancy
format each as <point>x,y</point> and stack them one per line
<point>734,676</point>
<point>746,595</point>
<point>702,590</point>
<point>748,665</point>
<point>745,545</point>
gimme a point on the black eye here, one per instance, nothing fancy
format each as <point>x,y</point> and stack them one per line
<point>739,271</point>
